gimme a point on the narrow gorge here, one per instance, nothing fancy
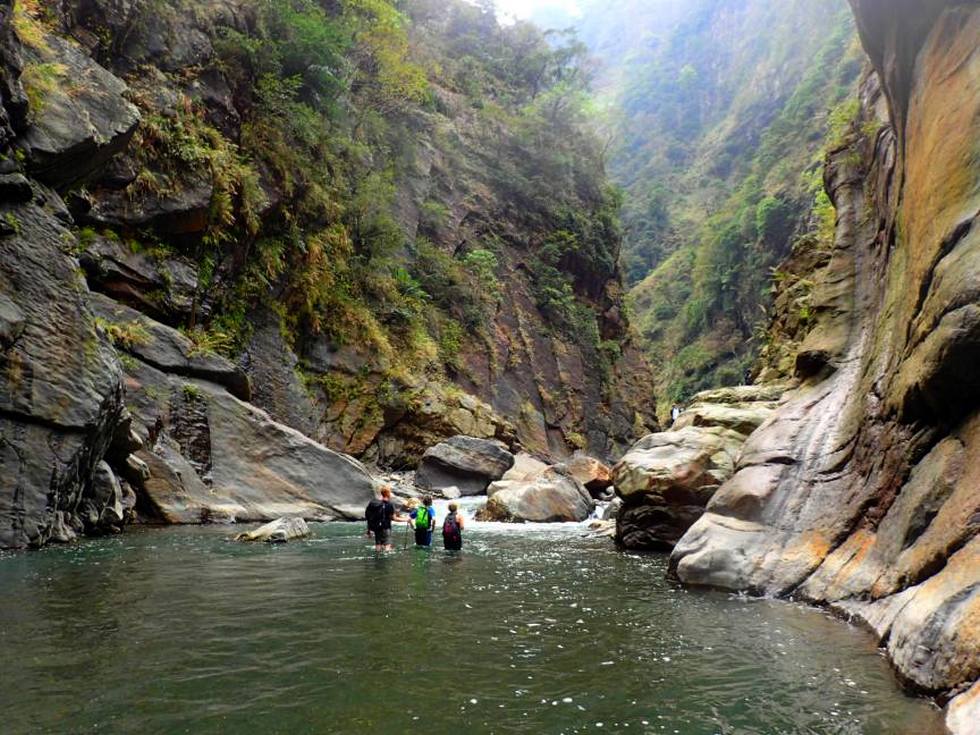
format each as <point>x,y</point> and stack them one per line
<point>679,303</point>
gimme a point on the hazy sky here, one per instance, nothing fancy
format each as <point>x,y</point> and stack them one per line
<point>524,8</point>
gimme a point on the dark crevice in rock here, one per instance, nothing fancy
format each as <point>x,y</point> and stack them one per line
<point>946,247</point>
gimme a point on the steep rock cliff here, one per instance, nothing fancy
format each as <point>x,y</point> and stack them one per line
<point>242,237</point>
<point>862,491</point>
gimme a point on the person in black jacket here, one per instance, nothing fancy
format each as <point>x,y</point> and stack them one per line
<point>380,513</point>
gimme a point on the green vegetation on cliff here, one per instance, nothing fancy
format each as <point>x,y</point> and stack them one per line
<point>412,192</point>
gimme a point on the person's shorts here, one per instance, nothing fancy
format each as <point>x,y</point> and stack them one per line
<point>423,537</point>
<point>382,536</point>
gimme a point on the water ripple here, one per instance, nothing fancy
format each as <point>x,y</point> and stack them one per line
<point>529,630</point>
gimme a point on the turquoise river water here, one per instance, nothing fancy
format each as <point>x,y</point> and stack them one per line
<point>528,630</point>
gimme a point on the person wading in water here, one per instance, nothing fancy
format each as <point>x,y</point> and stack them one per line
<point>452,529</point>
<point>380,514</point>
<point>424,520</point>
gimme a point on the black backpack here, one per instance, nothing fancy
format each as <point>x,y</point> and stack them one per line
<point>375,514</point>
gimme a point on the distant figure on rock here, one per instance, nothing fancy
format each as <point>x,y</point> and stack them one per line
<point>380,513</point>
<point>452,529</point>
<point>424,520</point>
<point>675,413</point>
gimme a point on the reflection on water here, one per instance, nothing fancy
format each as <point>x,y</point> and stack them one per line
<point>536,631</point>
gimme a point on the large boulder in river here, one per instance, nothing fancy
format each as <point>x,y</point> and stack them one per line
<point>277,532</point>
<point>666,480</point>
<point>526,467</point>
<point>464,462</point>
<point>60,383</point>
<point>596,476</point>
<point>553,496</point>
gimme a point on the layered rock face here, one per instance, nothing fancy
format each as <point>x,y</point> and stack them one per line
<point>862,491</point>
<point>666,479</point>
<point>107,414</point>
<point>56,425</point>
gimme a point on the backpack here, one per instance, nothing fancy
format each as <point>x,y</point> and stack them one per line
<point>422,518</point>
<point>450,529</point>
<point>375,514</point>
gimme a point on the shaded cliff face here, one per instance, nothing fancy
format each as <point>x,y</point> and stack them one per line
<point>862,490</point>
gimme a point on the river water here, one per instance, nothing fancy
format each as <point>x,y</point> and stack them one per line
<point>530,629</point>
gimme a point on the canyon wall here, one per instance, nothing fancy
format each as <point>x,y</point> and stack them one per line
<point>240,241</point>
<point>862,491</point>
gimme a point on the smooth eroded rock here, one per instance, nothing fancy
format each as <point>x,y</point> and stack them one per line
<point>278,531</point>
<point>464,462</point>
<point>667,479</point>
<point>215,457</point>
<point>548,498</point>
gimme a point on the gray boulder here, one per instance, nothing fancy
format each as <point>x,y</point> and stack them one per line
<point>278,531</point>
<point>83,119</point>
<point>212,457</point>
<point>595,475</point>
<point>464,462</point>
<point>550,497</point>
<point>526,467</point>
<point>667,479</point>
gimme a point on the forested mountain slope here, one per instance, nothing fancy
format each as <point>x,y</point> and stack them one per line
<point>719,115</point>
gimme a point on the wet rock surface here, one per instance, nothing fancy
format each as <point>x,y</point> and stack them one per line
<point>278,531</point>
